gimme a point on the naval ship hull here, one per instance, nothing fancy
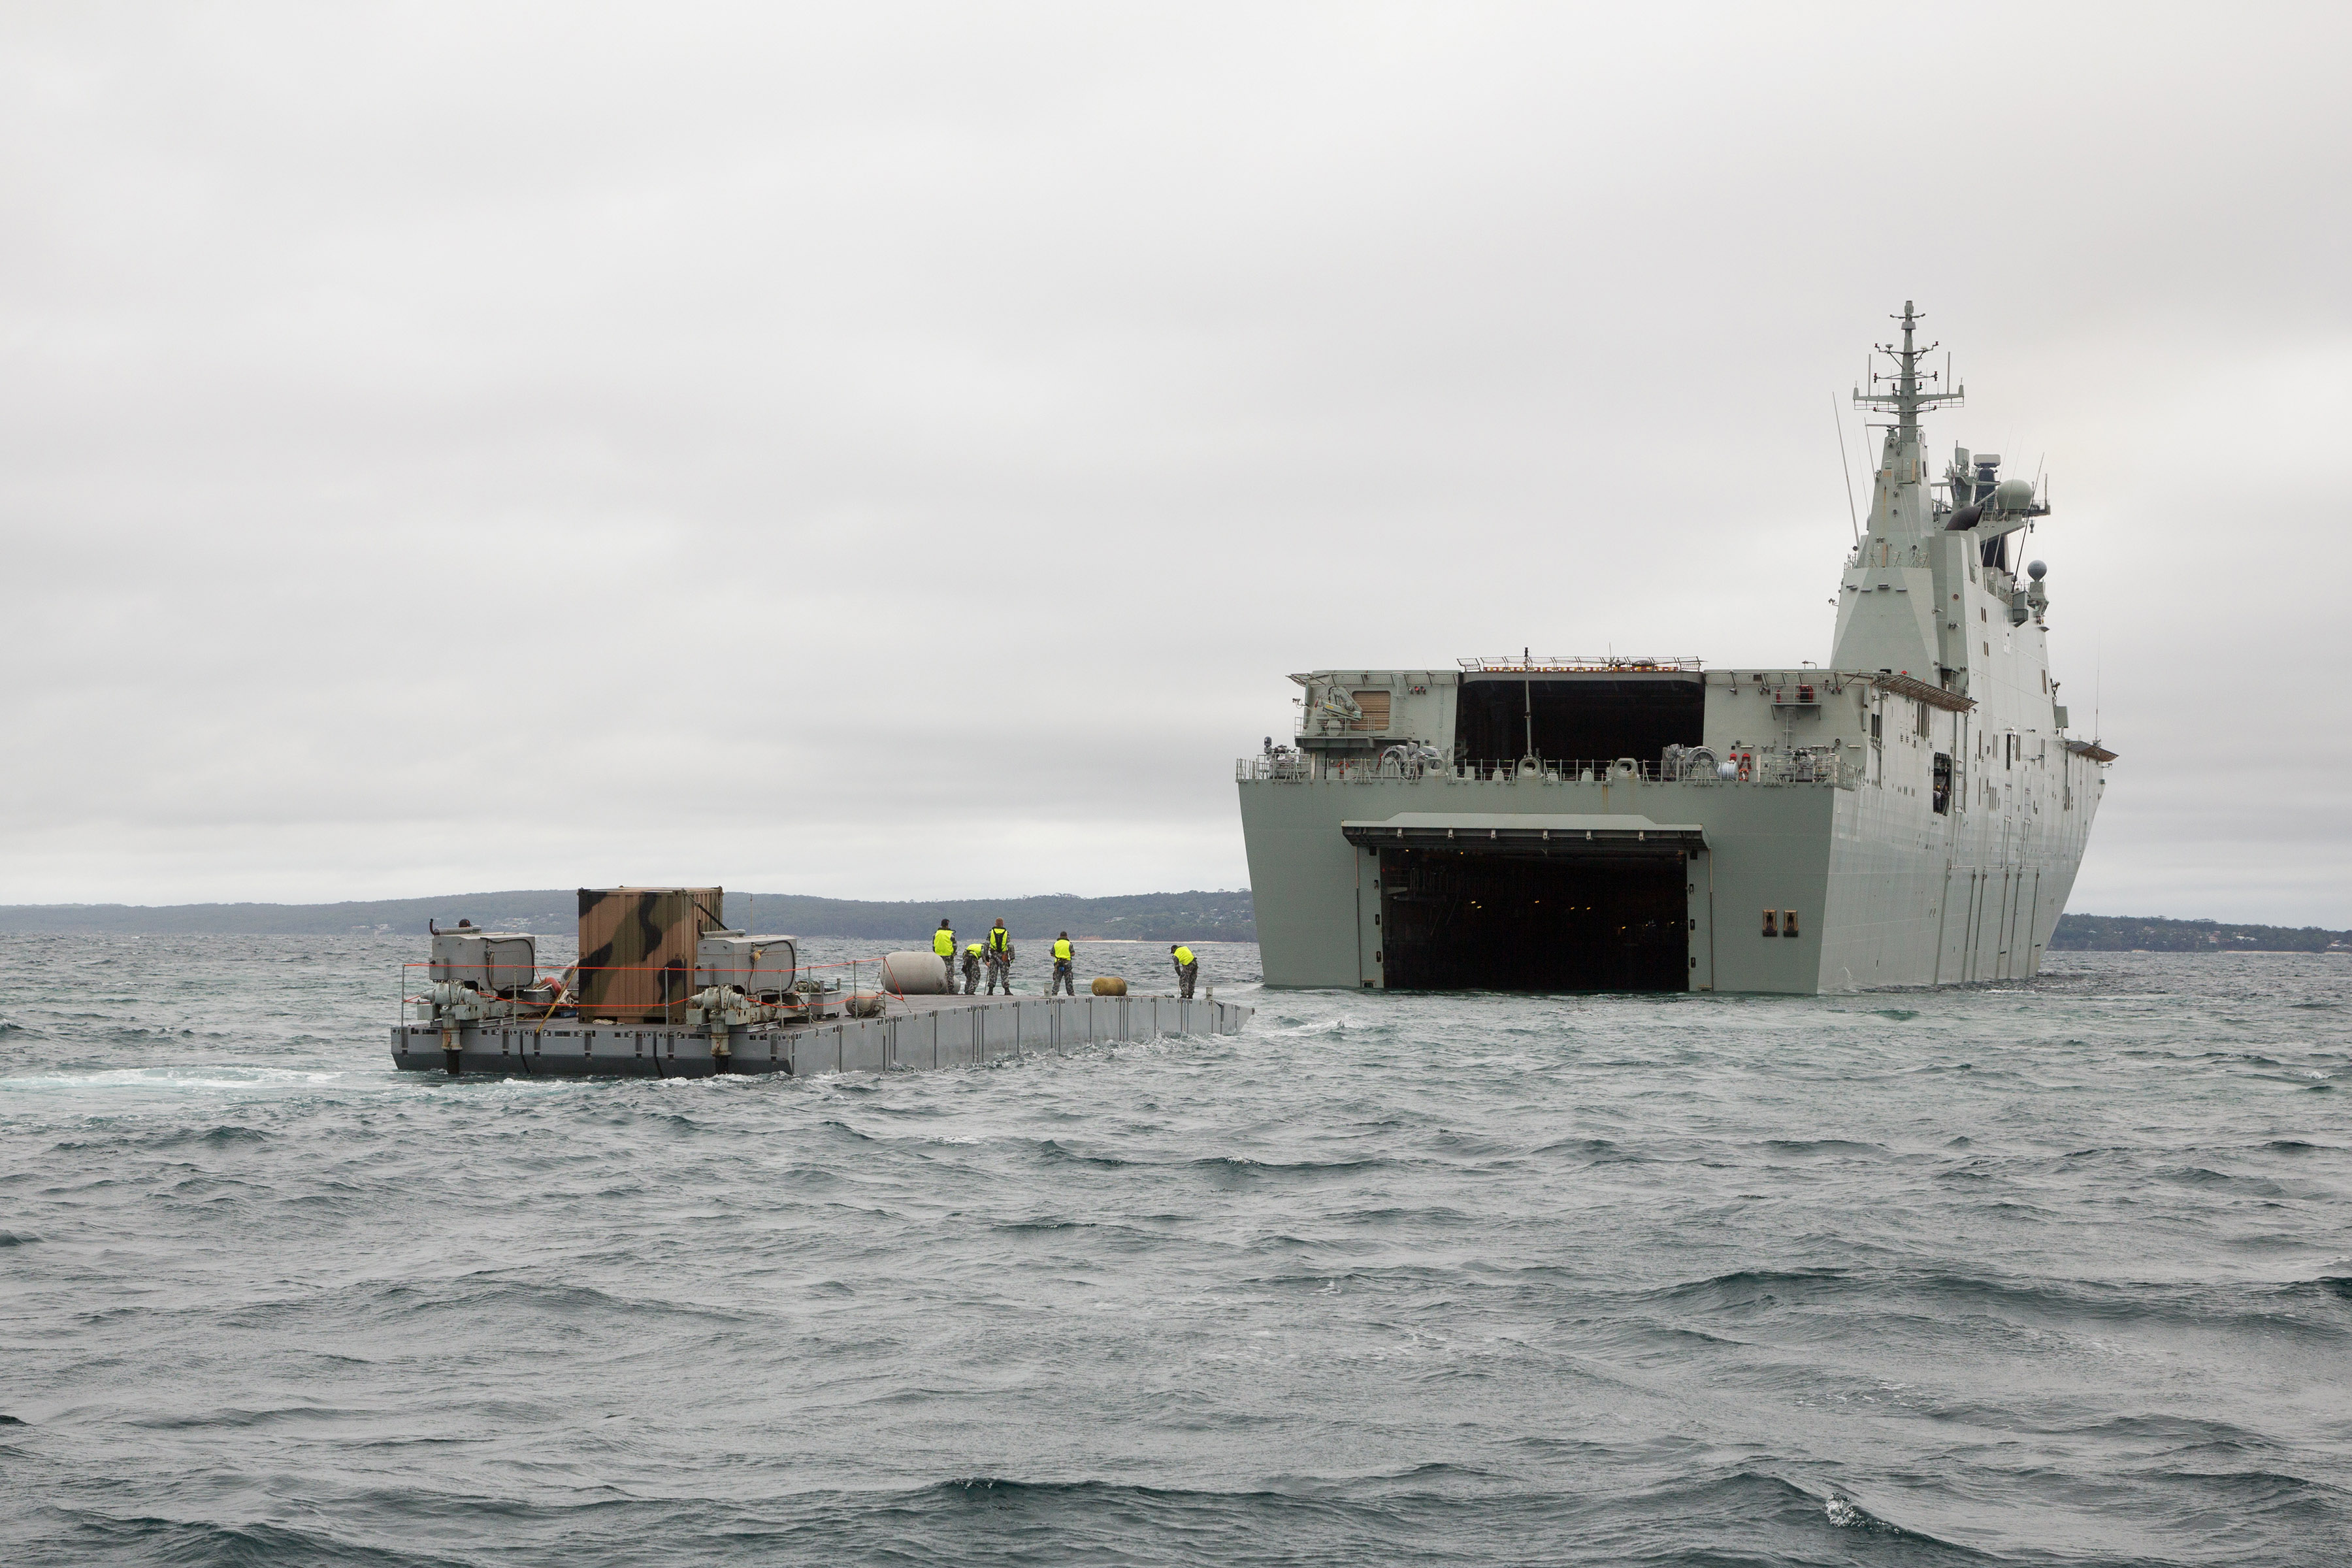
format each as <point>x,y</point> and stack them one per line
<point>1910,812</point>
<point>1542,881</point>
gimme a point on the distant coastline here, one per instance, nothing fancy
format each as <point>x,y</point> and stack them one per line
<point>1204,916</point>
<point>2142,934</point>
<point>1198,916</point>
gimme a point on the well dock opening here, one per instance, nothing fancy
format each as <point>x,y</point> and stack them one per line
<point>1460,920</point>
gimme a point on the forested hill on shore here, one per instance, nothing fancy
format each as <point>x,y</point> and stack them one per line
<point>1162,916</point>
<point>2137,933</point>
<point>1226,916</point>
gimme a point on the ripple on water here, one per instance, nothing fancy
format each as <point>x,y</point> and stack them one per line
<point>2050,1273</point>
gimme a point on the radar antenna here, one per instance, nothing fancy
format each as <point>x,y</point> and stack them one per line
<point>1904,399</point>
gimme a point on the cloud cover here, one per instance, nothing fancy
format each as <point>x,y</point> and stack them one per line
<point>889,451</point>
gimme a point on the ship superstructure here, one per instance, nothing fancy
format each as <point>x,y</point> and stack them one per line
<point>1911,812</point>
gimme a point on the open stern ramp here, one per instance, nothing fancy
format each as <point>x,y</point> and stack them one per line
<point>1519,900</point>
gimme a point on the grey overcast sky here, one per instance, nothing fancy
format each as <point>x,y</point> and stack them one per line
<point>888,450</point>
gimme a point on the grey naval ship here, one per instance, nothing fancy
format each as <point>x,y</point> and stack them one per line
<point>1910,812</point>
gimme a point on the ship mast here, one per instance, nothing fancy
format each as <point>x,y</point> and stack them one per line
<point>1906,398</point>
<point>1899,506</point>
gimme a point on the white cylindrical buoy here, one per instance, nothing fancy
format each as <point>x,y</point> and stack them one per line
<point>914,974</point>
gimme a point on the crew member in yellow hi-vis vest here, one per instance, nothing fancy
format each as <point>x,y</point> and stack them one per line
<point>1188,968</point>
<point>943,943</point>
<point>1066,973</point>
<point>971,968</point>
<point>1000,959</point>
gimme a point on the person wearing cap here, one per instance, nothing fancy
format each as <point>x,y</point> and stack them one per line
<point>1065,967</point>
<point>971,968</point>
<point>1188,968</point>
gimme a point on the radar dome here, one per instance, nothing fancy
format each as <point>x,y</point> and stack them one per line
<point>2036,570</point>
<point>2013,495</point>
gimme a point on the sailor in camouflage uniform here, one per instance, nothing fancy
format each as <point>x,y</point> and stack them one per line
<point>999,955</point>
<point>1188,968</point>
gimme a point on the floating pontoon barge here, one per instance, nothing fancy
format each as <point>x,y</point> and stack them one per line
<point>663,989</point>
<point>915,1032</point>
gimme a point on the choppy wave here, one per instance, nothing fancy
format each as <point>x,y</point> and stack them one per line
<point>2049,1274</point>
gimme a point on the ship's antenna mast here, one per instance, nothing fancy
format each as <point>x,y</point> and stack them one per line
<point>1845,464</point>
<point>1906,398</point>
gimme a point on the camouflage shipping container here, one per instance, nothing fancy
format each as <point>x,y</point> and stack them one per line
<point>637,949</point>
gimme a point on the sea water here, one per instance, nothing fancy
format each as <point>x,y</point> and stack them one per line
<point>2049,1272</point>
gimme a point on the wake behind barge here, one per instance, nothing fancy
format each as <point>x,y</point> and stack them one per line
<point>662,990</point>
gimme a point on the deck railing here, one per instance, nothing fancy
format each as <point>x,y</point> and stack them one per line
<point>1840,767</point>
<point>534,991</point>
